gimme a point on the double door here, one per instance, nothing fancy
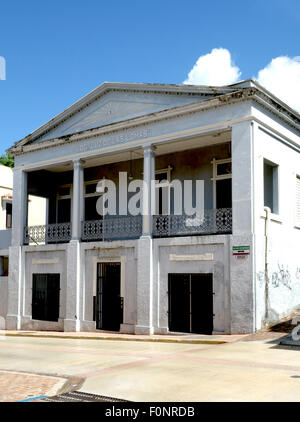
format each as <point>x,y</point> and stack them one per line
<point>190,303</point>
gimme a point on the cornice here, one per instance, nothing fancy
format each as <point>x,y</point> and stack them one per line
<point>133,123</point>
<point>106,87</point>
<point>241,95</point>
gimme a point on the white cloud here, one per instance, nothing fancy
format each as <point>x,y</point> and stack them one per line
<point>282,78</point>
<point>215,68</point>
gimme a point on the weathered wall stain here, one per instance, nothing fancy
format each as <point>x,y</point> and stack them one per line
<point>282,276</point>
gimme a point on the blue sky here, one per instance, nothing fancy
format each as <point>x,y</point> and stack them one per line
<point>57,51</point>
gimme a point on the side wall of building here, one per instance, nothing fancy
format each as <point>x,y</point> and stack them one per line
<point>3,300</point>
<point>277,264</point>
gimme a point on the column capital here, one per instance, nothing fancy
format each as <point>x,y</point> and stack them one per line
<point>77,162</point>
<point>149,148</point>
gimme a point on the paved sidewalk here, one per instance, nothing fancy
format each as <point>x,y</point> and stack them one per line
<point>257,370</point>
<point>18,386</point>
<point>105,335</point>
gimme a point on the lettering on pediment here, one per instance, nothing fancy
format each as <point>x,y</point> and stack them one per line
<point>114,139</point>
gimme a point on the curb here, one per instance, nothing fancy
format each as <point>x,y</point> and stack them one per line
<point>150,340</point>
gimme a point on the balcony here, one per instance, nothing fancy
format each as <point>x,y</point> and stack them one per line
<point>47,234</point>
<point>215,221</point>
<point>117,228</point>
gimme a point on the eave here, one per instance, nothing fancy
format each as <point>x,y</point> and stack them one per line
<point>120,86</point>
<point>245,94</point>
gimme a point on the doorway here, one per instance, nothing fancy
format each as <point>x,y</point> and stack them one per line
<point>108,303</point>
<point>45,297</point>
<point>190,303</point>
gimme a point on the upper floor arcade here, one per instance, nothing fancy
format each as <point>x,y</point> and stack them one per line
<point>176,207</point>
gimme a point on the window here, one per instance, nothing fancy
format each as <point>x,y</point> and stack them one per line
<point>8,215</point>
<point>91,188</point>
<point>271,186</point>
<point>64,191</point>
<point>223,168</point>
<point>162,200</point>
<point>63,210</point>
<point>91,197</point>
<point>222,184</point>
<point>298,200</point>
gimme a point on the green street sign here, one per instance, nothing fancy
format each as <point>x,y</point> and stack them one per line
<point>240,250</point>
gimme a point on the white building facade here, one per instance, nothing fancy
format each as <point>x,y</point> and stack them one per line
<point>235,271</point>
<point>36,211</point>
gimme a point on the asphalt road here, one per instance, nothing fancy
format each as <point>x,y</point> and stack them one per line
<point>142,371</point>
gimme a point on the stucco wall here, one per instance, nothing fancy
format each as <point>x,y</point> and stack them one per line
<point>43,261</point>
<point>279,287</point>
<point>3,300</point>
<point>5,239</point>
<point>123,252</point>
<point>191,253</point>
<point>37,210</point>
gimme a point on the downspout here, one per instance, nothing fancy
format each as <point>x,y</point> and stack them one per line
<point>267,221</point>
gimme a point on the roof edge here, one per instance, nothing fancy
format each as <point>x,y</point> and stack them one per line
<point>108,86</point>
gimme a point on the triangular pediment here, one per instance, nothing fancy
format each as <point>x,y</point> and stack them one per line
<point>116,102</point>
<point>105,112</point>
<point>117,106</point>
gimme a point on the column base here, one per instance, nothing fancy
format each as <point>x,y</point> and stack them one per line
<point>71,325</point>
<point>2,323</point>
<point>89,326</point>
<point>13,322</point>
<point>27,323</point>
<point>143,330</point>
<point>127,329</point>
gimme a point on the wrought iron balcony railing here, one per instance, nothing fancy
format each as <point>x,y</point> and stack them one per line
<point>50,233</point>
<point>113,228</point>
<point>215,221</point>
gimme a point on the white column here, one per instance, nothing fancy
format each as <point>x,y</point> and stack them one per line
<point>74,257</point>
<point>16,255</point>
<point>242,273</point>
<point>144,320</point>
<point>19,207</point>
<point>148,194</point>
<point>144,323</point>
<point>242,178</point>
<point>77,199</point>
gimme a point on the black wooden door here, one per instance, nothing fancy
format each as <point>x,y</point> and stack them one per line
<point>179,302</point>
<point>190,303</point>
<point>201,303</point>
<point>45,297</point>
<point>109,305</point>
